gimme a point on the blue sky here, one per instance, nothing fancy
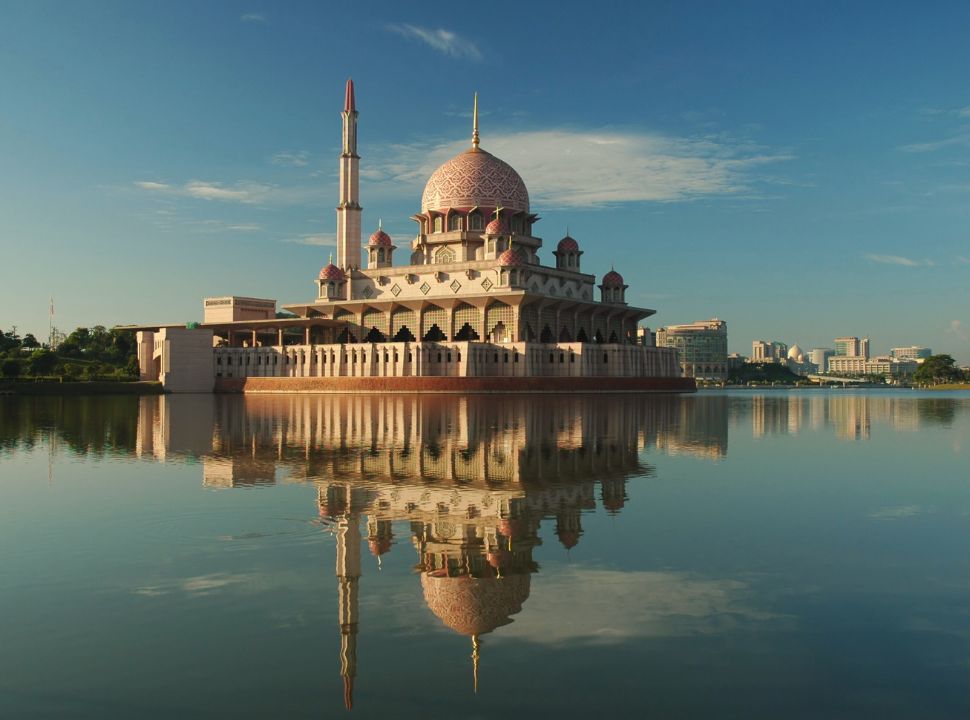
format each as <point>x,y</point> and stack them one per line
<point>801,170</point>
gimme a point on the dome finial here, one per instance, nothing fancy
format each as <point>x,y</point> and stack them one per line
<point>331,259</point>
<point>475,124</point>
<point>380,224</point>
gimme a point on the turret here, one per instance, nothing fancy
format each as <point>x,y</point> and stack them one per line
<point>567,254</point>
<point>379,249</point>
<point>612,290</point>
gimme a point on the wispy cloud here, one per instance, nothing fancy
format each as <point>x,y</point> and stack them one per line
<point>575,168</point>
<point>899,260</point>
<point>253,18</point>
<point>959,140</point>
<point>962,260</point>
<point>444,41</point>
<point>959,330</point>
<point>603,607</point>
<point>292,159</point>
<point>324,239</point>
<point>247,193</point>
<point>901,511</point>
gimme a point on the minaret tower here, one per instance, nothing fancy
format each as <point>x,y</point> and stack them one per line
<point>348,211</point>
<point>348,577</point>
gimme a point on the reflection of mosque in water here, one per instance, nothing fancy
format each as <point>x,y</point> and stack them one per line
<point>473,477</point>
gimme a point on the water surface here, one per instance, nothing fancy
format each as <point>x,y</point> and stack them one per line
<point>722,555</point>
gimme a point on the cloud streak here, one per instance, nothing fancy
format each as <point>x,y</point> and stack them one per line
<point>291,159</point>
<point>317,239</point>
<point>589,169</point>
<point>253,18</point>
<point>246,192</point>
<point>898,260</point>
<point>444,41</point>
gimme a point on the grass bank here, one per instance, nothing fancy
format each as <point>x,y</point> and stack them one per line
<point>94,387</point>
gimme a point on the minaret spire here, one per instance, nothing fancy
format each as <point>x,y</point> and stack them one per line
<point>348,579</point>
<point>348,209</point>
<point>475,124</point>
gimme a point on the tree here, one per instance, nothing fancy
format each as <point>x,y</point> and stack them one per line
<point>938,369</point>
<point>132,368</point>
<point>10,368</point>
<point>42,362</point>
<point>29,341</point>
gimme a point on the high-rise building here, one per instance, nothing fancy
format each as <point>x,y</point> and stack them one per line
<point>701,347</point>
<point>913,352</point>
<point>764,351</point>
<point>820,357</point>
<point>847,346</point>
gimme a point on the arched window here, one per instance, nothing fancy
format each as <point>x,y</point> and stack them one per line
<point>437,224</point>
<point>444,255</point>
<point>454,221</point>
<point>475,221</point>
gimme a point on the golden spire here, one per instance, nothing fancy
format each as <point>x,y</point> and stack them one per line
<point>475,124</point>
<point>331,258</point>
<point>476,644</point>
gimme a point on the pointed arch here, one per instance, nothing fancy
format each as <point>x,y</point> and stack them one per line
<point>546,335</point>
<point>581,336</point>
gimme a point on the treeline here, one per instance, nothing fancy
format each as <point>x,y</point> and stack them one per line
<point>86,354</point>
<point>940,370</point>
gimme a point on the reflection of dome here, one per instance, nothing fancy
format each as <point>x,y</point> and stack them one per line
<point>331,272</point>
<point>612,279</point>
<point>475,606</point>
<point>475,178</point>
<point>379,546</point>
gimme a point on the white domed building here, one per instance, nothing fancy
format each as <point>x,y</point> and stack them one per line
<point>472,301</point>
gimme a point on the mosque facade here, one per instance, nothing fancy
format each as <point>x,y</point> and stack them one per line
<point>472,299</point>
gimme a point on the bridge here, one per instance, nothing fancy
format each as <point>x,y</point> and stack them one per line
<point>832,379</point>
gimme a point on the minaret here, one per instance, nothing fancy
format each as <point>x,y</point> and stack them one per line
<point>348,211</point>
<point>348,577</point>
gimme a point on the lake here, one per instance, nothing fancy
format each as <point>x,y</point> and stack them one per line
<point>728,554</point>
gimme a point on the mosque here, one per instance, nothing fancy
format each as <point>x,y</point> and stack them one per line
<point>472,309</point>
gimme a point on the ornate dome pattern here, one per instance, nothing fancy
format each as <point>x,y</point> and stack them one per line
<point>567,244</point>
<point>510,258</point>
<point>612,279</point>
<point>475,178</point>
<point>331,272</point>
<point>496,227</point>
<point>381,239</point>
<point>475,606</point>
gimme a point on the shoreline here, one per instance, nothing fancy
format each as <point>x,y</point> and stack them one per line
<point>94,387</point>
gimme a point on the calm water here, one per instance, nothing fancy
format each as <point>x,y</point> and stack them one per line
<point>722,555</point>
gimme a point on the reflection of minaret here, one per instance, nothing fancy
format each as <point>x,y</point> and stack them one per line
<point>348,577</point>
<point>613,491</point>
<point>348,211</point>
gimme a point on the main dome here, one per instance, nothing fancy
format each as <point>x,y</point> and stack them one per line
<point>475,178</point>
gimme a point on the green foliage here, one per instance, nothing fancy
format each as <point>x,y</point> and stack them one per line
<point>29,342</point>
<point>132,368</point>
<point>763,373</point>
<point>10,368</point>
<point>42,362</point>
<point>938,369</point>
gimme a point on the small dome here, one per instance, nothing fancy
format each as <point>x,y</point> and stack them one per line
<point>497,227</point>
<point>568,244</point>
<point>380,238</point>
<point>332,272</point>
<point>612,279</point>
<point>510,258</point>
<point>795,353</point>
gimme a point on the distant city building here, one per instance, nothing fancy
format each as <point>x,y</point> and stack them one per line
<point>884,365</point>
<point>820,358</point>
<point>701,347</point>
<point>736,360</point>
<point>764,351</point>
<point>851,346</point>
<point>913,352</point>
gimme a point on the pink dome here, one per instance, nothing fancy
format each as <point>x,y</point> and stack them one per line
<point>475,606</point>
<point>332,272</point>
<point>475,178</point>
<point>612,279</point>
<point>497,227</point>
<point>510,258</point>
<point>381,239</point>
<point>568,244</point>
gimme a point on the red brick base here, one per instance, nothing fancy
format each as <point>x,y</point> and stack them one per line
<point>453,385</point>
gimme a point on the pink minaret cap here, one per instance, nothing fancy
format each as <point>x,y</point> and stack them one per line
<point>350,104</point>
